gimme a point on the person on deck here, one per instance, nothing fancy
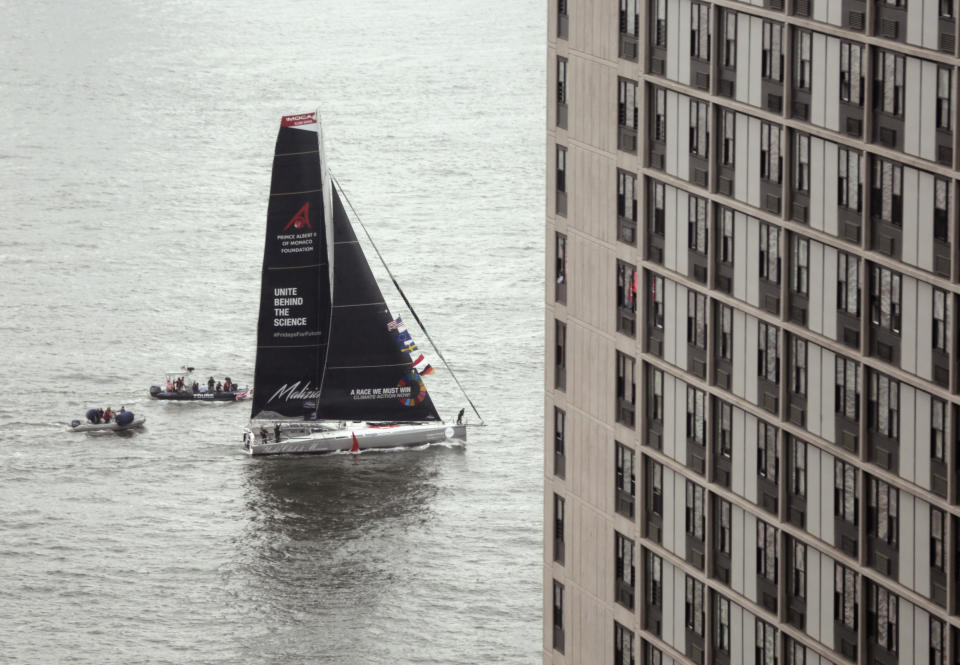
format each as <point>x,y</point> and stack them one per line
<point>276,432</point>
<point>99,416</point>
<point>227,384</point>
<point>210,384</point>
<point>107,415</point>
<point>460,417</point>
<point>263,433</point>
<point>219,387</point>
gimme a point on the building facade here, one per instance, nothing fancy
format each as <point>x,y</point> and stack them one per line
<point>752,395</point>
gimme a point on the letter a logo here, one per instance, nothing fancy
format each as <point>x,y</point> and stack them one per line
<point>301,219</point>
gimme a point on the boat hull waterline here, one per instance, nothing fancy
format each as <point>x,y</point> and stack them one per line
<point>107,427</point>
<point>184,396</point>
<point>369,437</point>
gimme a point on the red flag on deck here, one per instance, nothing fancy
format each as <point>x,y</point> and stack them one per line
<point>356,444</point>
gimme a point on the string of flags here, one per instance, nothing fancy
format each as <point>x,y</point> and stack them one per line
<point>408,346</point>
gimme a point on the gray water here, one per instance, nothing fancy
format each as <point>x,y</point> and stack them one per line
<point>135,148</point>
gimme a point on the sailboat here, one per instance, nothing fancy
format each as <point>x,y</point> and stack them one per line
<point>334,369</point>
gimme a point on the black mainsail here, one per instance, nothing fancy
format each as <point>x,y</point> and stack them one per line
<point>323,347</point>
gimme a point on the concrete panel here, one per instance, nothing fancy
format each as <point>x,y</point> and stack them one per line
<point>682,249</point>
<point>908,416</point>
<point>739,466</point>
<point>736,549</point>
<point>673,122</point>
<point>669,629</point>
<point>817,188</point>
<point>680,402</point>
<point>744,54</point>
<point>928,110</point>
<point>742,259</point>
<point>750,454</point>
<point>910,208</point>
<point>913,91</point>
<point>741,349</point>
<point>818,80</point>
<point>826,599</point>
<point>815,371</point>
<point>924,218</point>
<point>908,325</point>
<point>755,62</point>
<point>834,12</point>
<point>931,24</point>
<point>831,117</point>
<point>816,492</point>
<point>679,523</point>
<point>831,155</point>
<point>921,523</point>
<point>750,556</point>
<point>813,596</point>
<point>673,40</point>
<point>924,323</point>
<point>828,378</point>
<point>671,227</point>
<point>683,136</point>
<point>683,52</point>
<point>915,22</point>
<point>753,170</point>
<point>670,422</point>
<point>670,306</point>
<point>742,167</point>
<point>753,249</point>
<point>737,645</point>
<point>669,511</point>
<point>922,439</point>
<point>830,275</point>
<point>906,546</point>
<point>679,611</point>
<point>751,360</point>
<point>816,288</point>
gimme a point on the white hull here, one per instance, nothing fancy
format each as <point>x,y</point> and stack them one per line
<point>107,427</point>
<point>310,438</point>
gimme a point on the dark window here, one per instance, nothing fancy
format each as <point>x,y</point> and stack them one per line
<point>801,163</point>
<point>728,136</point>
<point>888,191</point>
<point>944,107</point>
<point>767,558</point>
<point>800,264</point>
<point>558,616</point>
<point>626,478</point>
<point>798,365</point>
<point>700,30</point>
<point>772,54</point>
<point>849,186</point>
<point>845,595</point>
<point>938,425</point>
<point>656,393</point>
<point>729,38</point>
<point>659,208</point>
<point>804,48</point>
<point>627,113</point>
<point>942,193</point>
<point>846,499</point>
<point>626,288</point>
<point>625,568</point>
<point>656,300</point>
<point>771,161</point>
<point>941,321</point>
<point>938,636</point>
<point>766,644</point>
<point>884,399</point>
<point>851,73</point>
<point>848,283</point>
<point>562,170</point>
<point>768,457</point>
<point>799,577</point>
<point>627,195</point>
<point>560,378</point>
<point>656,485</point>
<point>882,510</point>
<point>726,332</point>
<point>946,8</point>
<point>660,115</point>
<point>768,358</point>
<point>724,526</point>
<point>561,268</point>
<point>696,415</point>
<point>693,516</point>
<point>699,128</point>
<point>798,466</point>
<point>626,382</point>
<point>885,299</point>
<point>697,238</point>
<point>770,253</point>
<point>882,623</point>
<point>888,79</point>
<point>696,319</point>
<point>660,38</point>
<point>847,388</point>
<point>558,517</point>
<point>561,80</point>
<point>722,632</point>
<point>559,443</point>
<point>622,645</point>
<point>655,579</point>
<point>694,611</point>
<point>937,531</point>
<point>725,443</point>
<point>630,17</point>
<point>796,652</point>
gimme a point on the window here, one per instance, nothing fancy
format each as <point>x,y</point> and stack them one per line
<point>660,37</point>
<point>693,606</point>
<point>768,355</point>
<point>656,488</point>
<point>559,444</point>
<point>882,510</point>
<point>696,416</point>
<point>796,652</point>
<point>804,46</point>
<point>624,568</point>
<point>562,171</point>
<point>946,8</point>
<point>699,129</point>
<point>938,429</point>
<point>696,319</point>
<point>656,394</point>
<point>766,644</point>
<point>847,388</point>
<point>659,207</point>
<point>626,383</point>
<point>726,236</point>
<point>622,645</point>
<point>800,264</point>
<point>772,55</point>
<point>558,516</point>
<point>724,526</point>
<point>884,415</point>
<point>845,593</point>
<point>560,378</point>
<point>561,268</point>
<point>655,577</point>
<point>726,332</point>
<point>882,623</point>
<point>697,239</point>
<point>798,365</point>
<point>770,253</point>
<point>944,108</point>
<point>725,425</point>
<point>766,551</point>
<point>561,80</point>
<point>937,530</point>
<point>851,73</point>
<point>660,115</point>
<point>846,499</point>
<point>771,162</point>
<point>626,479</point>
<point>627,113</point>
<point>630,17</point>
<point>722,632</point>
<point>558,616</point>
<point>768,457</point>
<point>801,165</point>
<point>799,577</point>
<point>938,638</point>
<point>888,78</point>
<point>693,515</point>
<point>885,299</point>
<point>848,179</point>
<point>626,195</point>
<point>848,283</point>
<point>656,299</point>
<point>728,136</point>
<point>626,288</point>
<point>941,321</point>
<point>729,38</point>
<point>942,194</point>
<point>798,467</point>
<point>888,191</point>
<point>700,30</point>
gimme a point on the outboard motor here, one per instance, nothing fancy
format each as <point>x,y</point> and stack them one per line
<point>74,423</point>
<point>155,390</point>
<point>125,418</point>
<point>92,415</point>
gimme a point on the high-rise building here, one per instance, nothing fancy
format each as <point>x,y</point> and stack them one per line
<point>752,396</point>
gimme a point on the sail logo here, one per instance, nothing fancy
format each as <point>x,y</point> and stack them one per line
<point>301,219</point>
<point>417,391</point>
<point>299,119</point>
<point>287,393</point>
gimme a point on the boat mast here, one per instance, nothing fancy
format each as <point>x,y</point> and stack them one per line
<point>404,296</point>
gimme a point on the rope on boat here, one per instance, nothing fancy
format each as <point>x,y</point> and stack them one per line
<point>404,296</point>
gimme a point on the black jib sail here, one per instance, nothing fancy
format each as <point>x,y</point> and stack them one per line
<point>295,283</point>
<point>314,360</point>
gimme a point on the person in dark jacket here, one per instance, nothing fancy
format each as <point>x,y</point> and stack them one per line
<point>210,384</point>
<point>276,431</point>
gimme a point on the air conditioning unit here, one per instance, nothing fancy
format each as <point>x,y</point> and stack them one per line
<point>725,186</point>
<point>773,204</point>
<point>801,110</point>
<point>799,212</point>
<point>657,66</point>
<point>947,42</point>
<point>702,81</point>
<point>801,7</point>
<point>774,103</point>
<point>889,28</point>
<point>856,20</point>
<point>854,127</point>
<point>887,136</point>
